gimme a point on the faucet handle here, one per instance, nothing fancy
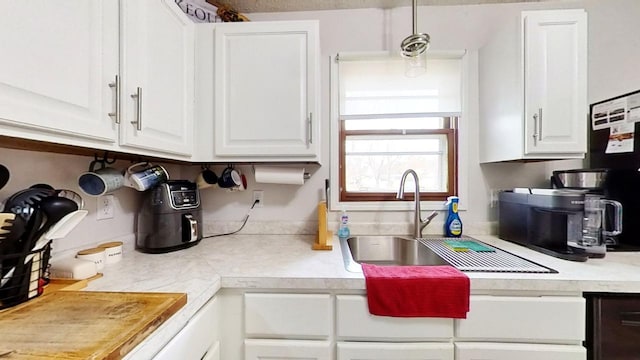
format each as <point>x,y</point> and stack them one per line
<point>431,216</point>
<point>423,224</point>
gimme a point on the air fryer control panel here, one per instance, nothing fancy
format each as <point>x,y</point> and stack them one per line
<point>183,195</point>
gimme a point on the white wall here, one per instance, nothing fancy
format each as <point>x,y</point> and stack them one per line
<point>613,27</point>
<point>61,172</point>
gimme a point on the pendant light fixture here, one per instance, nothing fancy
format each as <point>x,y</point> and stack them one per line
<point>414,47</point>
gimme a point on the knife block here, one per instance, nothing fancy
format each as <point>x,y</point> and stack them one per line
<point>323,241</point>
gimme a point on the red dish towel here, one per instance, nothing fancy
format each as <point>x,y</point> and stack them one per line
<point>417,291</point>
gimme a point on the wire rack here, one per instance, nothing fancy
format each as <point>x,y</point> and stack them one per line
<point>497,260</point>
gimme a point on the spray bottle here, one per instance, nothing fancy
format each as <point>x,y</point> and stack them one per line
<point>343,231</point>
<point>453,224</point>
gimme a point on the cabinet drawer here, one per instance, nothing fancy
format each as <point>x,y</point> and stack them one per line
<point>298,316</point>
<point>552,319</point>
<point>502,351</point>
<point>354,322</point>
<point>385,351</point>
<point>287,350</point>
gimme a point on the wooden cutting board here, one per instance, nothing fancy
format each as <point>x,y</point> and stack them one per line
<point>83,324</point>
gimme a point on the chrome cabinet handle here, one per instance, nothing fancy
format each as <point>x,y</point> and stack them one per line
<point>537,126</point>
<point>630,318</point>
<point>138,97</point>
<point>310,129</point>
<point>116,114</point>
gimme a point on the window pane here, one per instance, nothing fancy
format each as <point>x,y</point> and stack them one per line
<point>376,163</point>
<point>395,124</point>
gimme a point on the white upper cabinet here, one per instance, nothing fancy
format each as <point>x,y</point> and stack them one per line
<point>58,58</point>
<point>533,88</point>
<point>259,95</point>
<point>69,69</point>
<point>157,77</point>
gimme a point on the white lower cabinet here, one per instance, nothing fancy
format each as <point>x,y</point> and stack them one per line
<point>198,339</point>
<point>392,351</point>
<point>213,353</point>
<point>256,349</point>
<point>505,351</point>
<point>283,326</point>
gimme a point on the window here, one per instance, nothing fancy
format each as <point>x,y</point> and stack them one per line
<point>388,123</point>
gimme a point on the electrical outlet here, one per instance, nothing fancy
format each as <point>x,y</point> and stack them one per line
<point>258,195</point>
<point>106,204</point>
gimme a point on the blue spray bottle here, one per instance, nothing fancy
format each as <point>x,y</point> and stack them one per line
<point>453,224</point>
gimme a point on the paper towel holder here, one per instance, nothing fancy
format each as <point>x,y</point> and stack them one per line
<point>306,175</point>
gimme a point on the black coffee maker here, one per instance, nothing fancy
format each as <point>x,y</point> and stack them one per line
<point>545,220</point>
<point>622,185</point>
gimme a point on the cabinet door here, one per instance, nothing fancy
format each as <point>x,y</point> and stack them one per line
<point>555,61</point>
<point>503,351</point>
<point>157,71</point>
<point>58,59</point>
<point>392,351</point>
<point>287,350</point>
<point>265,89</point>
<point>198,339</point>
<point>213,353</point>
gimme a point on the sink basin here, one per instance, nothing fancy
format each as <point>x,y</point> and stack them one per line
<point>386,250</point>
<point>399,250</point>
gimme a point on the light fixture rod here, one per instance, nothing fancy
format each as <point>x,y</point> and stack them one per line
<point>415,16</point>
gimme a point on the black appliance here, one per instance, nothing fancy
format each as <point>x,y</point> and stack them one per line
<point>552,221</point>
<point>622,182</point>
<point>170,218</point>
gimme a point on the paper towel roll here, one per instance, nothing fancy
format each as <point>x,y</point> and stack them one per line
<point>279,175</point>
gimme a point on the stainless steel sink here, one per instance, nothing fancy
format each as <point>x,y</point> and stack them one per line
<point>399,250</point>
<point>386,250</point>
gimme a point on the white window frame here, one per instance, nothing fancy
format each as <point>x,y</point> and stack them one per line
<point>463,144</point>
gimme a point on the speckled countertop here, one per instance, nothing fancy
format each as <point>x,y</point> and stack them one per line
<point>287,262</point>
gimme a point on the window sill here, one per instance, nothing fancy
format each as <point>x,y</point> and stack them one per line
<point>390,206</point>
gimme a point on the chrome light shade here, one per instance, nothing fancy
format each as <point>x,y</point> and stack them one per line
<point>416,44</point>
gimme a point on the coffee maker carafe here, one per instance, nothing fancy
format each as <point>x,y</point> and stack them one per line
<point>594,224</point>
<point>613,184</point>
<point>170,218</point>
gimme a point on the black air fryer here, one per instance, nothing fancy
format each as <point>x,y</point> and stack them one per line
<point>170,218</point>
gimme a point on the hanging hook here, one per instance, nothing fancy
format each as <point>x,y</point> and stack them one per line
<point>105,159</point>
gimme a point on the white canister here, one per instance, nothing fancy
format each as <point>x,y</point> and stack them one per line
<point>97,255</point>
<point>112,251</point>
